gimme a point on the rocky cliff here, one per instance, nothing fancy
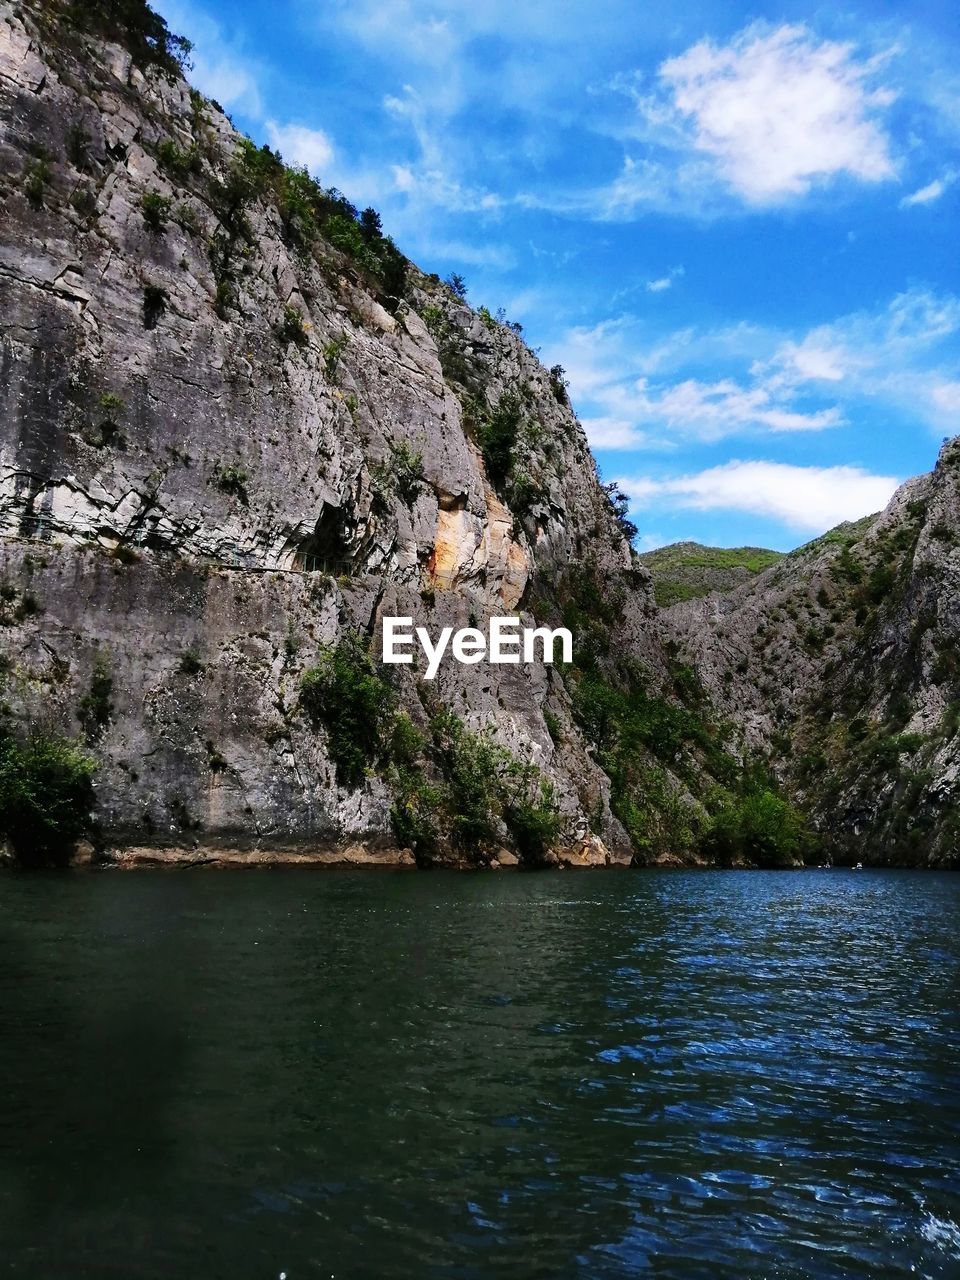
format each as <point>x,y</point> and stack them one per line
<point>841,665</point>
<point>237,429</point>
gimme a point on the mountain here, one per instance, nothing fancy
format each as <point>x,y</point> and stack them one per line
<point>839,665</point>
<point>239,429</point>
<point>687,570</point>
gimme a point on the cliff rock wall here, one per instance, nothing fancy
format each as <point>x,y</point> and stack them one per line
<point>225,444</point>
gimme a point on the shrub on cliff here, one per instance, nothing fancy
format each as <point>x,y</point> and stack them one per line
<point>482,784</point>
<point>131,23</point>
<point>344,694</point>
<point>453,786</point>
<point>46,797</point>
<point>497,434</point>
<point>308,209</point>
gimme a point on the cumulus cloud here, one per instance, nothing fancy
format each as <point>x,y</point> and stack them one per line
<point>809,499</point>
<point>780,110</point>
<point>762,119</point>
<point>300,145</point>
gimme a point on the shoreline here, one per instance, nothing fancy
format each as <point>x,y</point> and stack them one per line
<point>588,854</point>
<point>136,857</point>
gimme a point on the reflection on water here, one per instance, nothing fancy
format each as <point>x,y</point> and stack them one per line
<point>360,1074</point>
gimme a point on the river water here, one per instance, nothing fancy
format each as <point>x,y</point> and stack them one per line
<point>334,1074</point>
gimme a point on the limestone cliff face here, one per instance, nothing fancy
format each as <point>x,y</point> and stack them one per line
<point>222,448</point>
<point>840,663</point>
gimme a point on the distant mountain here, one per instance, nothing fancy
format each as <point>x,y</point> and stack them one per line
<point>840,666</point>
<point>688,570</point>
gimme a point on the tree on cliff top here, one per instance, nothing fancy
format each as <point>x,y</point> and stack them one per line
<point>131,23</point>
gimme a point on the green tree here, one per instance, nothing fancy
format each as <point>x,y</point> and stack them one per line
<point>46,797</point>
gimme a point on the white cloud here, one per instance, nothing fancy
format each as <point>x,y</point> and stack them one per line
<point>814,363</point>
<point>663,283</point>
<point>931,192</point>
<point>403,177</point>
<point>893,355</point>
<point>742,380</point>
<point>712,410</point>
<point>221,68</point>
<point>613,433</point>
<point>811,499</point>
<point>300,145</point>
<point>629,399</point>
<point>926,195</point>
<point>471,253</point>
<point>780,111</point>
<point>946,396</point>
<point>762,119</point>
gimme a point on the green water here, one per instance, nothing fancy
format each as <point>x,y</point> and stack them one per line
<point>447,1075</point>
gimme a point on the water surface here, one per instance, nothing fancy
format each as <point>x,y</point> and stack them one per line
<point>595,1074</point>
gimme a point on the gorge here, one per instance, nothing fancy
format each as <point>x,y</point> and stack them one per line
<point>239,430</point>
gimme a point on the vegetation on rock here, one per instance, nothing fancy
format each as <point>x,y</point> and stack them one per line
<point>450,785</point>
<point>46,797</point>
<point>687,570</point>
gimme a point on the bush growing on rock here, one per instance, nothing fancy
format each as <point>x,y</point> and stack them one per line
<point>131,23</point>
<point>292,327</point>
<point>344,694</point>
<point>308,209</point>
<point>156,210</point>
<point>479,786</point>
<point>176,161</point>
<point>332,353</point>
<point>760,827</point>
<point>401,473</point>
<point>452,785</point>
<point>497,434</point>
<point>231,478</point>
<point>36,179</point>
<point>46,797</point>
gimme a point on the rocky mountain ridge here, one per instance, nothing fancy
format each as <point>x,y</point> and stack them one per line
<point>238,429</point>
<point>839,666</point>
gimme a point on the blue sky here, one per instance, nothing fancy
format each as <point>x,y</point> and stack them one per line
<point>735,227</point>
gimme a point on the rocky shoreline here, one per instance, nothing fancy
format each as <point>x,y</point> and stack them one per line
<point>588,853</point>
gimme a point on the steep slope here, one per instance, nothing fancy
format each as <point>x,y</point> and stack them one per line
<point>238,429</point>
<point>688,570</point>
<point>840,664</point>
